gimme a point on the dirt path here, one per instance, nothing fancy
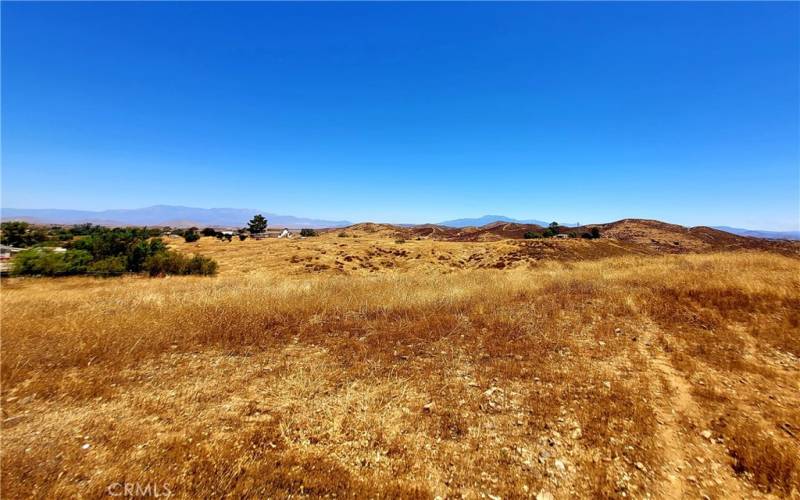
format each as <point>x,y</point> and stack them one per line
<point>692,466</point>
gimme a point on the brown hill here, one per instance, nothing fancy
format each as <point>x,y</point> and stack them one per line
<point>648,235</point>
<point>672,238</point>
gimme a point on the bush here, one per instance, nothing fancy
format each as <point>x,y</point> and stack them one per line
<point>400,241</point>
<point>170,262</point>
<point>242,236</point>
<point>530,235</point>
<point>203,266</point>
<point>110,266</point>
<point>191,237</point>
<point>342,235</point>
<point>45,262</point>
<point>595,232</point>
<point>208,231</point>
<point>307,232</point>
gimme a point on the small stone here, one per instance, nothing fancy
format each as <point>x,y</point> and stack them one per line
<point>488,393</point>
<point>607,384</point>
<point>543,456</point>
<point>617,330</point>
<point>560,466</point>
<point>86,446</point>
<point>706,434</point>
<point>577,433</point>
<point>640,466</point>
<point>544,495</point>
<point>428,407</point>
<point>602,344</point>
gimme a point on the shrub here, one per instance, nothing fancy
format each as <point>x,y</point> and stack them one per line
<point>191,236</point>
<point>400,241</point>
<point>45,262</point>
<point>595,232</point>
<point>342,235</point>
<point>110,266</point>
<point>242,236</point>
<point>586,235</point>
<point>169,262</point>
<point>208,231</point>
<point>307,232</point>
<point>530,235</point>
<point>204,266</point>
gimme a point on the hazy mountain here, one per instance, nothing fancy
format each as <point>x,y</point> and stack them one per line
<point>163,215</point>
<point>488,219</point>
<point>755,233</point>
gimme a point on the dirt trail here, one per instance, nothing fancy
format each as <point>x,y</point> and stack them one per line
<point>680,448</point>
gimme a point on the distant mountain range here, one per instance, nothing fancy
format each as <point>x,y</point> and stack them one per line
<point>754,233</point>
<point>164,215</point>
<point>488,219</point>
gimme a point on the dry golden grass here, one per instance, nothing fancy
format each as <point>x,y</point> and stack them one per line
<point>409,376</point>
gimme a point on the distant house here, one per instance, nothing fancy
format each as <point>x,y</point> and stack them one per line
<point>562,236</point>
<point>285,233</point>
<point>6,252</point>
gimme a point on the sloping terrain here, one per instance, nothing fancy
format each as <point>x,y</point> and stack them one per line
<point>663,376</point>
<point>650,235</point>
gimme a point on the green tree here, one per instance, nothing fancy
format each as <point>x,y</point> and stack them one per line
<point>258,224</point>
<point>208,231</point>
<point>191,237</point>
<point>595,232</point>
<point>20,234</point>
<point>307,232</point>
<point>551,230</point>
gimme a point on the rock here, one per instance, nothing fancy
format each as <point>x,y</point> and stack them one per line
<point>543,456</point>
<point>560,467</point>
<point>706,434</point>
<point>577,433</point>
<point>602,344</point>
<point>488,392</point>
<point>640,466</point>
<point>607,384</point>
<point>544,495</point>
<point>617,330</point>
<point>86,446</point>
<point>428,407</point>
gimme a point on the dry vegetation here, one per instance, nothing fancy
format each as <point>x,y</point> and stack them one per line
<point>360,366</point>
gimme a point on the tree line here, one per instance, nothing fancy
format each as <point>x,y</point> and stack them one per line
<point>555,228</point>
<point>89,249</point>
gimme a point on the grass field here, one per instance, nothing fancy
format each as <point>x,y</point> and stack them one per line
<point>370,367</point>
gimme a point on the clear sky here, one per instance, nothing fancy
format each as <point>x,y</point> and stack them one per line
<point>407,112</point>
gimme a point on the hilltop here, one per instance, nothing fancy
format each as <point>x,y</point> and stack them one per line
<point>643,235</point>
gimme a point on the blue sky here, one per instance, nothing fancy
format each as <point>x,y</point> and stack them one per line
<point>412,112</point>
